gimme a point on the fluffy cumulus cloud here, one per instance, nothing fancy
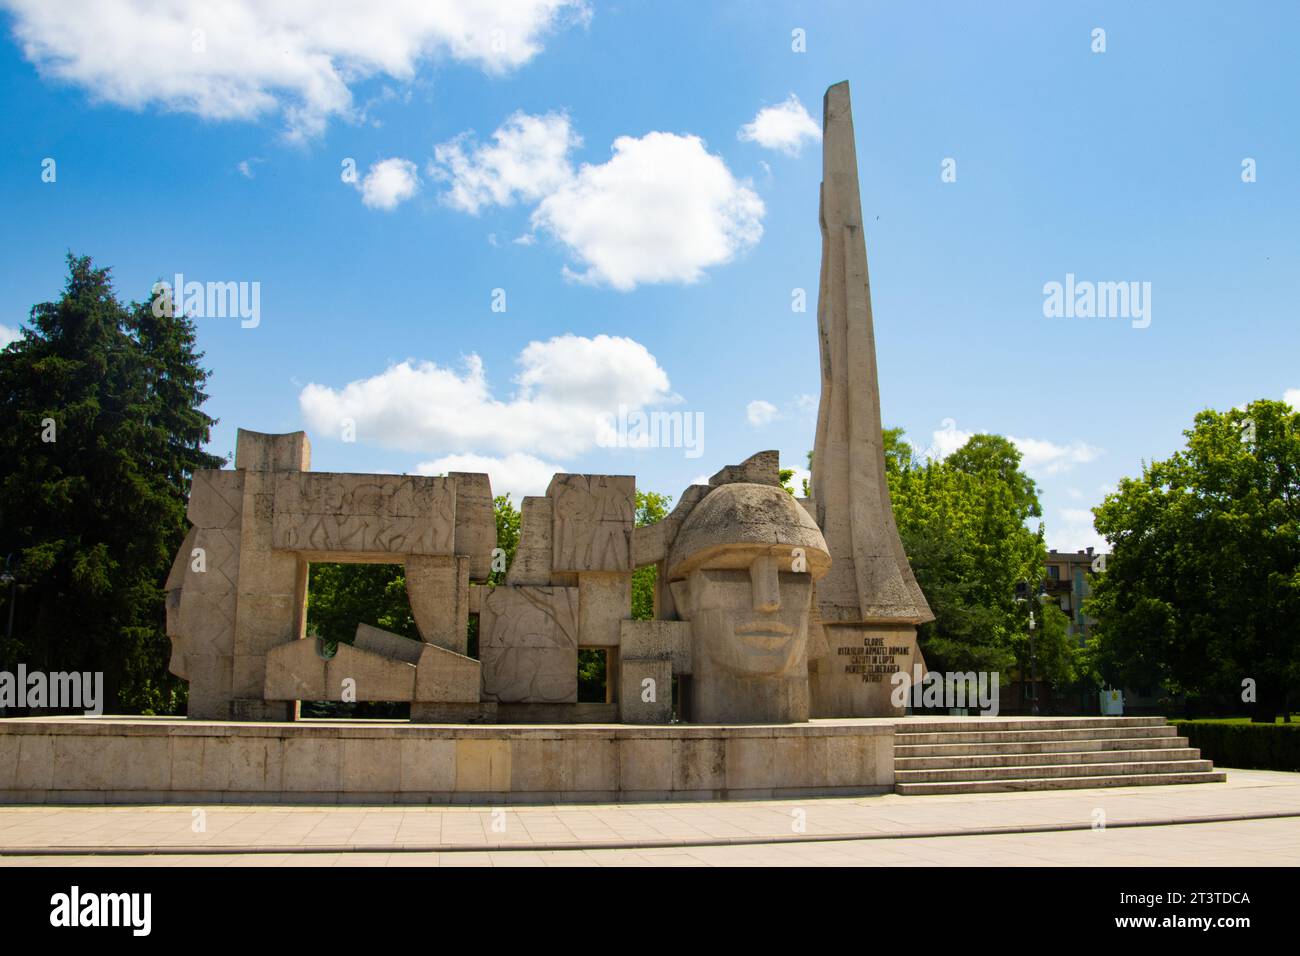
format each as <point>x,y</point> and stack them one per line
<point>567,391</point>
<point>8,335</point>
<point>527,158</point>
<point>662,209</point>
<point>1050,458</point>
<point>944,441</point>
<point>759,412</point>
<point>1292,397</point>
<point>1038,456</point>
<point>389,183</point>
<point>243,59</point>
<point>1074,531</point>
<point>516,474</point>
<point>784,127</point>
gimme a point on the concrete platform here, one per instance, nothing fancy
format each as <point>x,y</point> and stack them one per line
<point>143,760</point>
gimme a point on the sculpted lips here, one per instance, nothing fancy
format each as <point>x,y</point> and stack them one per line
<point>768,635</point>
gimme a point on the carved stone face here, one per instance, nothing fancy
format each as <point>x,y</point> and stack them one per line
<point>750,623</point>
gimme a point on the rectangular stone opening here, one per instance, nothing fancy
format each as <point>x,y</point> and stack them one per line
<point>593,676</point>
<point>682,698</point>
<point>339,597</point>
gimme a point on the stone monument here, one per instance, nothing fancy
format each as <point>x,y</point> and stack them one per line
<point>768,608</point>
<point>869,604</point>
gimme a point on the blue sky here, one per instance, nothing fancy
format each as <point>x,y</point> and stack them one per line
<point>658,246</point>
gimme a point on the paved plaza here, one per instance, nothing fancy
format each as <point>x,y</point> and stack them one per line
<point>1253,819</point>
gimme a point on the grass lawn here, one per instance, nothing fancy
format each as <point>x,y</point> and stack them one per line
<point>1295,719</point>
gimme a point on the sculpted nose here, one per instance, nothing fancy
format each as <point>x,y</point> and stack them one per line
<point>766,585</point>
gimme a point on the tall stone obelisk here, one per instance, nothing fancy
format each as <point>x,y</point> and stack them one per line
<point>868,603</point>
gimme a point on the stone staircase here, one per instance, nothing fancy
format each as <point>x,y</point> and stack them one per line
<point>989,755</point>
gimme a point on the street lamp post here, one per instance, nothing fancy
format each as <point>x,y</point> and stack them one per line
<point>1022,594</point>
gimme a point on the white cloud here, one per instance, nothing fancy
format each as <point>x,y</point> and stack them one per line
<point>662,209</point>
<point>784,127</point>
<point>242,59</point>
<point>568,389</point>
<point>1292,397</point>
<point>759,412</point>
<point>1074,531</point>
<point>527,159</point>
<point>389,183</point>
<point>1038,456</point>
<point>944,441</point>
<point>516,474</point>
<point>245,167</point>
<point>1050,458</point>
<point>8,335</point>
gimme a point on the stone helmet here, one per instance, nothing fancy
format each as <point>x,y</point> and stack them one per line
<point>735,523</point>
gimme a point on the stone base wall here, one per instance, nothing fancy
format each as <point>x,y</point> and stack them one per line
<point>72,760</point>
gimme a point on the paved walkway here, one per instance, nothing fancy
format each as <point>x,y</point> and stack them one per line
<point>1134,824</point>
<point>1244,843</point>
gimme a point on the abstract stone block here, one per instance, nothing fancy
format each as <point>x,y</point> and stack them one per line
<point>533,555</point>
<point>438,590</point>
<point>593,520</point>
<point>528,645</point>
<point>387,644</point>
<point>256,451</point>
<point>443,677</point>
<point>657,640</point>
<point>364,514</point>
<point>476,526</point>
<point>645,693</point>
<point>216,499</point>
<point>604,602</point>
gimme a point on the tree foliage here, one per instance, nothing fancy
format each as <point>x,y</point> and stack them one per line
<point>101,427</point>
<point>964,522</point>
<point>1202,587</point>
<point>507,519</point>
<point>341,596</point>
<point>651,506</point>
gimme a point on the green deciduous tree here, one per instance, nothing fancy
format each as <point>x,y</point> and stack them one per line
<point>964,522</point>
<point>1202,587</point>
<point>507,518</point>
<point>341,596</point>
<point>650,507</point>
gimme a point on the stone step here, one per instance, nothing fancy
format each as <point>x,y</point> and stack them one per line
<point>1060,783</point>
<point>1035,771</point>
<point>1029,736</point>
<point>1029,760</point>
<point>1037,746</point>
<point>929,725</point>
